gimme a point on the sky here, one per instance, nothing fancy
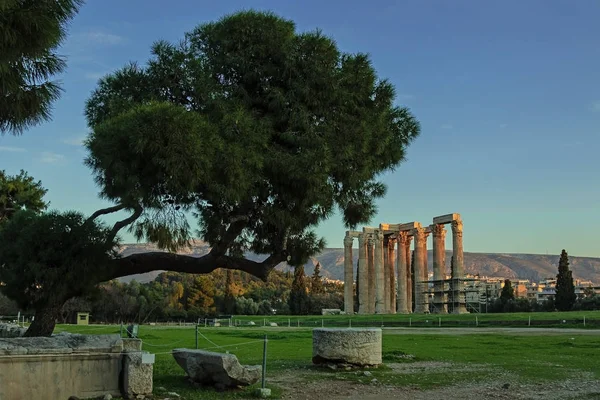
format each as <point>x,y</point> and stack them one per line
<point>507,94</point>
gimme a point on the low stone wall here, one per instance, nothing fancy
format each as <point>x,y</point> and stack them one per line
<point>54,368</point>
<point>11,330</point>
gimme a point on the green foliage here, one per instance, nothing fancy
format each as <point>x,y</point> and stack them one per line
<point>508,293</point>
<point>565,289</point>
<point>48,258</point>
<point>30,33</point>
<point>260,131</point>
<point>20,192</point>
<point>316,281</point>
<point>299,301</point>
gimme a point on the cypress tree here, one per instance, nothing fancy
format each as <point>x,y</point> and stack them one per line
<point>508,293</point>
<point>299,300</point>
<point>565,289</point>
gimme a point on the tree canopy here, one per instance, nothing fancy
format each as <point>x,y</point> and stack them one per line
<point>259,131</point>
<point>20,192</point>
<point>30,33</point>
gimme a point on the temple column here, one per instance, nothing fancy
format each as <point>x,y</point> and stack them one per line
<point>363,275</point>
<point>348,276</point>
<point>409,283</point>
<point>402,295</point>
<point>425,281</point>
<point>379,273</point>
<point>372,278</point>
<point>419,235</point>
<point>458,272</point>
<point>439,268</point>
<point>386,275</point>
<point>392,274</point>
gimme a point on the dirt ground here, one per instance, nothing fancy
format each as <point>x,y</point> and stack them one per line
<point>299,386</point>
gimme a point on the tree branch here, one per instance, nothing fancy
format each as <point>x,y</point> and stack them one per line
<point>104,211</point>
<point>235,229</point>
<point>123,223</point>
<point>141,263</point>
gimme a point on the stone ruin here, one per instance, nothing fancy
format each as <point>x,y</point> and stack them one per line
<point>65,365</point>
<point>386,284</point>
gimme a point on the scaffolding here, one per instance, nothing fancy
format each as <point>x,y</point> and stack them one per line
<point>448,296</point>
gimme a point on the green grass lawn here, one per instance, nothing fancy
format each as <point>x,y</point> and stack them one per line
<point>526,358</point>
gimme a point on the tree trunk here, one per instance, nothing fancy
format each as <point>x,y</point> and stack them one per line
<point>44,321</point>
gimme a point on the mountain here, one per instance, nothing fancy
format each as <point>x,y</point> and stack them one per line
<point>524,266</point>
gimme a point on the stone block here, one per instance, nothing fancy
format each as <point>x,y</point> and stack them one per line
<point>446,219</point>
<point>132,345</point>
<point>137,376</point>
<point>355,346</point>
<point>409,226</point>
<point>217,369</point>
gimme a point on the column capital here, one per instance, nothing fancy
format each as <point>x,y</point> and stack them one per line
<point>457,228</point>
<point>348,241</point>
<point>362,239</point>
<point>370,239</point>
<point>391,242</point>
<point>403,237</point>
<point>379,235</point>
<point>419,234</point>
<point>438,231</point>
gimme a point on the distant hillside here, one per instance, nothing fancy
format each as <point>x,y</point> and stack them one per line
<point>524,266</point>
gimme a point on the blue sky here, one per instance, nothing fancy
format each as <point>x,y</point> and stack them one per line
<point>507,93</point>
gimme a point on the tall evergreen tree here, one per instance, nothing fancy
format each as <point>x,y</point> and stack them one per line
<point>508,293</point>
<point>299,300</point>
<point>229,299</point>
<point>30,33</point>
<point>316,281</point>
<point>565,289</point>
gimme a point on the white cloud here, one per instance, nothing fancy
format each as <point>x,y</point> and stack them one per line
<point>12,149</point>
<point>74,141</point>
<point>103,38</point>
<point>51,158</point>
<point>596,106</point>
<point>447,126</point>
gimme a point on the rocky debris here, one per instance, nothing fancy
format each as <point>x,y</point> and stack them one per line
<point>63,343</point>
<point>8,330</point>
<point>217,369</point>
<point>107,397</point>
<point>354,346</point>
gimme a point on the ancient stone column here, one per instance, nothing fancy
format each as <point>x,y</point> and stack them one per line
<point>409,283</point>
<point>348,276</point>
<point>419,235</point>
<point>439,268</point>
<point>458,272</point>
<point>386,275</point>
<point>363,275</point>
<point>379,273</point>
<point>372,278</point>
<point>392,274</point>
<point>402,294</point>
<point>425,280</point>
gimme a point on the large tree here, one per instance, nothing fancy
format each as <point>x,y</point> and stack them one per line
<point>258,131</point>
<point>30,34</point>
<point>508,293</point>
<point>565,290</point>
